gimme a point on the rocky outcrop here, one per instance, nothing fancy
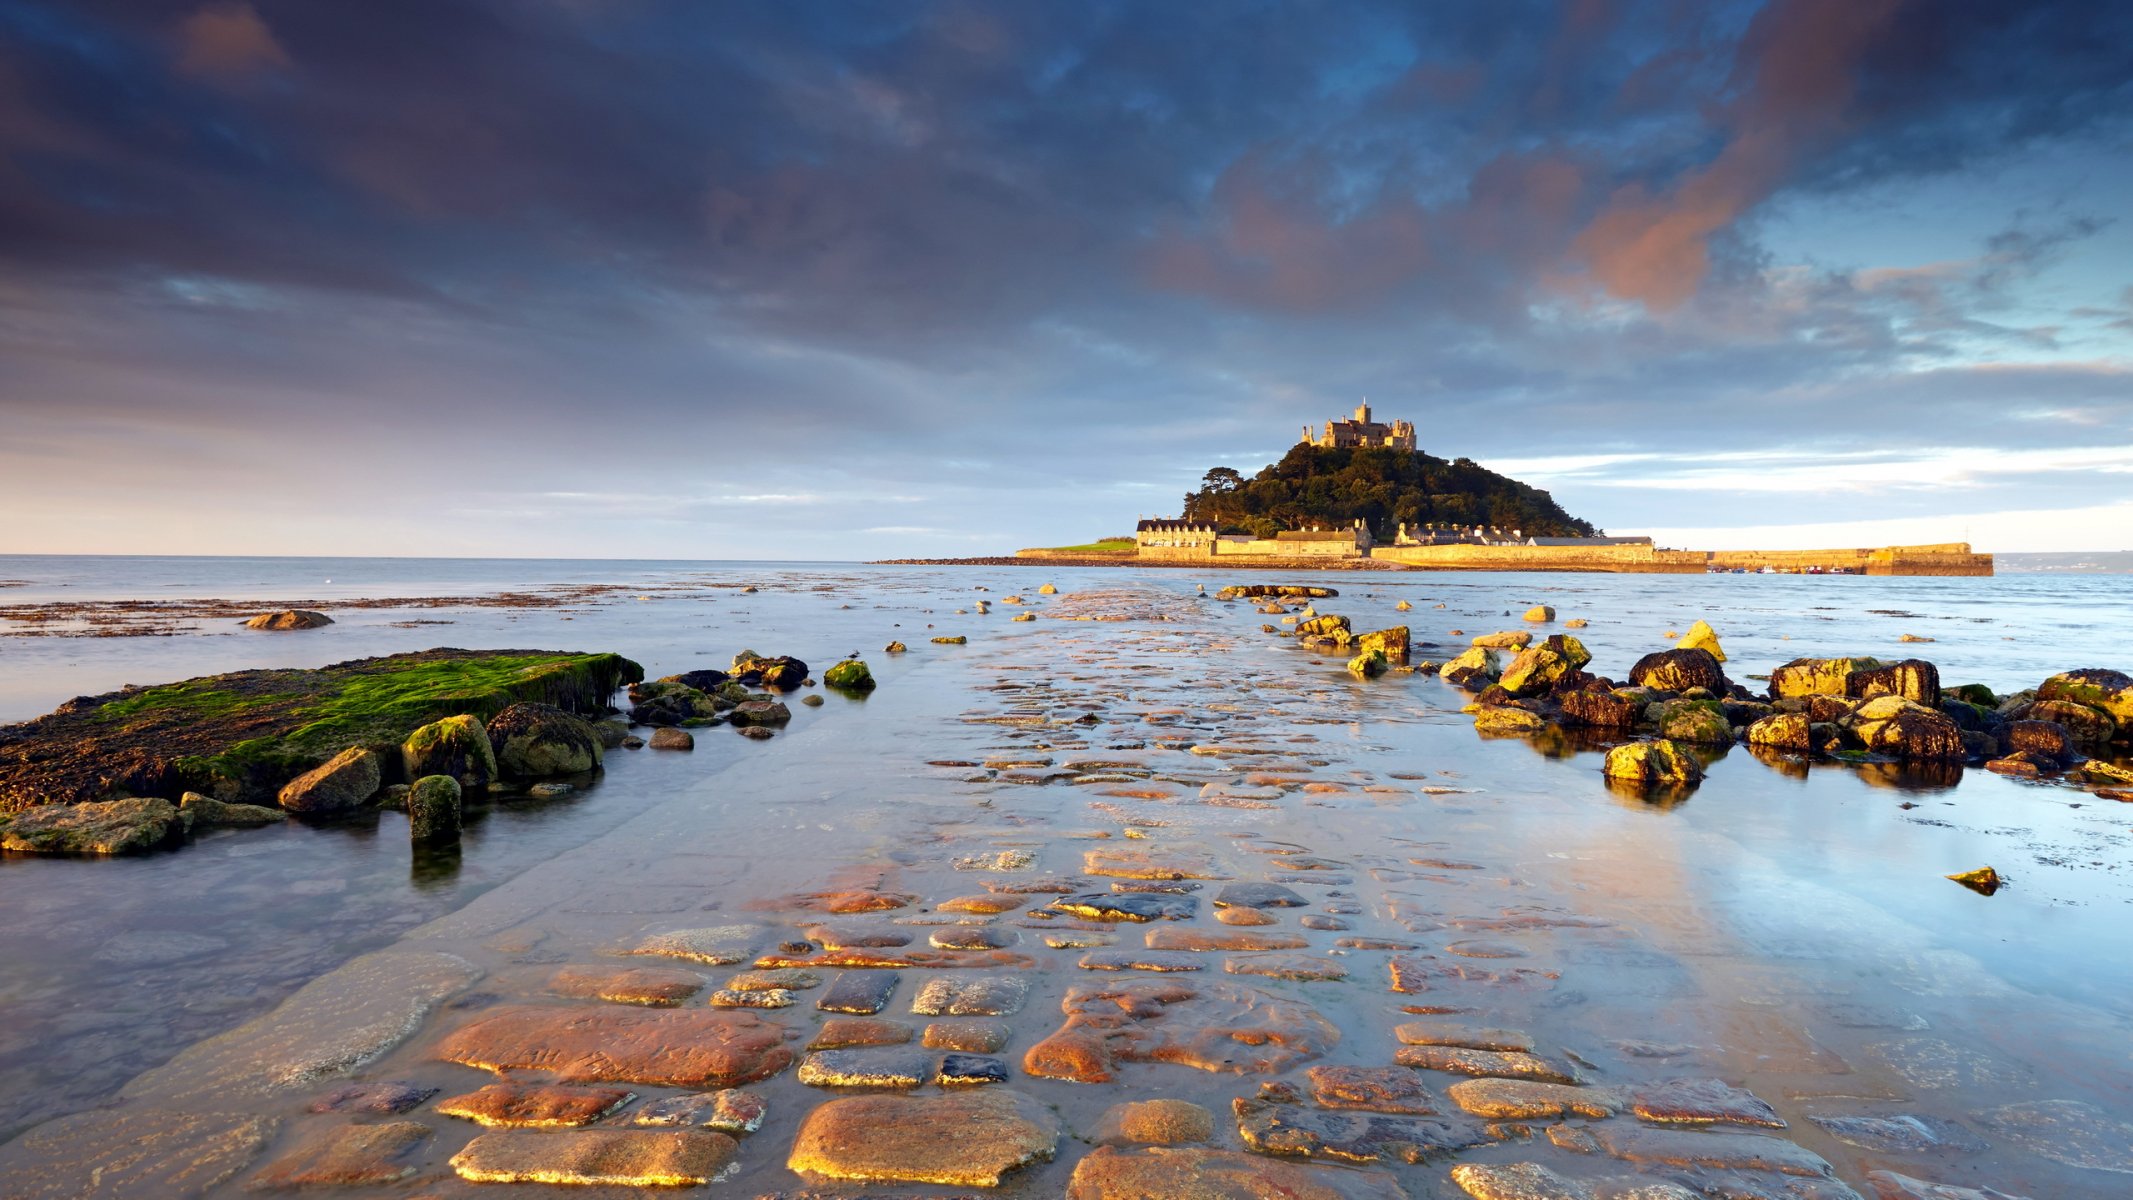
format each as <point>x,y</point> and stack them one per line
<point>102,827</point>
<point>537,741</point>
<point>294,618</point>
<point>457,747</point>
<point>1679,671</point>
<point>342,784</point>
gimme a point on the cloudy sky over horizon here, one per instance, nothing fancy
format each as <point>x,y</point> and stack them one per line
<point>854,280</point>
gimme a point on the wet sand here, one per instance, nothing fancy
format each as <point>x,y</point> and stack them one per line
<point>1790,937</point>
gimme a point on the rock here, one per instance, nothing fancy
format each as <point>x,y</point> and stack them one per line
<point>203,812</point>
<point>2048,740</point>
<point>757,733</point>
<point>968,1036</point>
<point>1702,637</point>
<point>861,992</point>
<point>1445,1033</point>
<point>1503,719</point>
<point>1913,679</point>
<point>666,1047</point>
<point>843,1033</point>
<point>339,785</point>
<point>1888,1185</point>
<point>870,1067</point>
<point>1322,627</point>
<point>292,618</point>
<point>2066,1131</point>
<point>655,987</point>
<point>1211,1026</point>
<point>2108,692</point>
<point>433,810</point>
<point>2091,728</point>
<point>1532,1181</point>
<point>549,791</point>
<point>635,1158</point>
<point>759,998</point>
<point>981,996</point>
<point>347,1156</point>
<point>1194,1173</point>
<point>1782,731</point>
<point>704,679</point>
<point>894,648</point>
<point>720,945</point>
<point>1896,726</point>
<point>1154,1123</point>
<point>1983,880</point>
<point>1696,722</point>
<point>1525,1099</point>
<point>899,1139</point>
<point>1505,639</point>
<point>1678,671</point>
<point>1816,676</point>
<point>1272,1127</point>
<point>1048,590</point>
<point>729,1110</point>
<point>1216,939</point>
<point>1500,1064</point>
<point>1404,606</point>
<point>98,827</point>
<point>1598,709</point>
<point>535,1105</point>
<point>1152,862</point>
<point>1373,1089</point>
<point>455,746</point>
<point>1540,612</point>
<point>1660,762</point>
<point>1477,665</point>
<point>114,1154</point>
<point>760,713</point>
<point>1368,665</point>
<point>1391,642</point>
<point>667,702</point>
<point>1906,1134</point>
<point>1702,1102</point>
<point>534,741</point>
<point>851,675</point>
<point>783,673</point>
<point>1681,1148</point>
<point>1257,895</point>
<point>1126,906</point>
<point>384,1099</point>
<point>673,739</point>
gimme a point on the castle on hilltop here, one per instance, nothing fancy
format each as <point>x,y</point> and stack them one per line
<point>1362,431</point>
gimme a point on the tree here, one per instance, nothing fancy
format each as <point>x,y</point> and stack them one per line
<point>1222,479</point>
<point>1334,486</point>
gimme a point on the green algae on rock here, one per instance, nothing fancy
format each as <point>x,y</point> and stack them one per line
<point>851,675</point>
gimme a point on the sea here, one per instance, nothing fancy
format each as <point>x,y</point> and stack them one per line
<point>1787,928</point>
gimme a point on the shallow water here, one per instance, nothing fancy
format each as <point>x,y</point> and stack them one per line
<point>1790,934</point>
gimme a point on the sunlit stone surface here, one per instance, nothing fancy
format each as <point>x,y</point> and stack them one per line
<point>967,1139</point>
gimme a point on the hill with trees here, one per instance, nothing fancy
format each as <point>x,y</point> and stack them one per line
<point>1332,486</point>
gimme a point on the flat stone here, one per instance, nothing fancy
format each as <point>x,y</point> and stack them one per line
<point>1702,1102</point>
<point>1140,960</point>
<point>970,1070</point>
<point>385,1099</point>
<point>758,998</point>
<point>988,904</point>
<point>1302,968</point>
<point>970,1036</point>
<point>130,826</point>
<point>973,937</point>
<point>1271,1127</point>
<point>1718,1151</point>
<point>1247,894</point>
<point>1372,943</point>
<point>1485,949</point>
<point>2066,1131</point>
<point>776,979</point>
<point>1503,1064</point>
<point>989,1132</point>
<point>1150,863</point>
<point>611,1157</point>
<point>1525,1099</point>
<point>876,1067</point>
<point>1211,1026</point>
<point>1447,1033</point>
<point>1906,1134</point>
<point>1323,923</point>
<point>720,945</point>
<point>858,937</point>
<point>861,992</point>
<point>1154,1123</point>
<point>347,1156</point>
<point>683,1048</point>
<point>1193,1173</point>
<point>729,1110</point>
<point>654,986</point>
<point>1245,917</point>
<point>1131,906</point>
<point>1531,1181</point>
<point>1174,938</point>
<point>837,1033</point>
<point>536,1105</point>
<point>1416,973</point>
<point>982,996</point>
<point>123,1153</point>
<point>1373,1089</point>
<point>1888,1185</point>
<point>1078,939</point>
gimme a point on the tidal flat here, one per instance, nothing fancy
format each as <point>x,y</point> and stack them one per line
<point>1313,932</point>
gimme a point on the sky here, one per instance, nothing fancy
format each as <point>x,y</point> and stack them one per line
<point>851,280</point>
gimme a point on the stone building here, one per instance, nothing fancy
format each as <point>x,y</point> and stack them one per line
<point>1362,431</point>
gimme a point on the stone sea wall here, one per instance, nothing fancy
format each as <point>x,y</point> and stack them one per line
<point>1627,559</point>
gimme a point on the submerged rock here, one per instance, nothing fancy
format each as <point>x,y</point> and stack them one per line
<point>640,1158</point>
<point>729,1110</point>
<point>433,809</point>
<point>1273,1127</point>
<point>535,1105</point>
<point>340,784</point>
<point>98,827</point>
<point>347,1156</point>
<point>958,1139</point>
<point>667,1047</point>
<point>1193,1173</point>
<point>1211,1026</point>
<point>1154,1123</point>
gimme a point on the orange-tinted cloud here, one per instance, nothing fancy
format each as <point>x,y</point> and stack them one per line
<point>227,41</point>
<point>1797,71</point>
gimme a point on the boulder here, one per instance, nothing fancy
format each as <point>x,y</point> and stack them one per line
<point>128,826</point>
<point>1368,665</point>
<point>1504,719</point>
<point>851,675</point>
<point>342,783</point>
<point>761,712</point>
<point>1783,731</point>
<point>1540,612</point>
<point>202,812</point>
<point>1896,726</point>
<point>1702,637</point>
<point>456,746</point>
<point>1975,693</point>
<point>294,618</point>
<point>1913,679</point>
<point>1507,639</point>
<point>1392,643</point>
<point>535,741</point>
<point>1698,722</point>
<point>1598,709</point>
<point>703,680</point>
<point>1478,667</point>
<point>1678,671</point>
<point>671,702</point>
<point>894,648</point>
<point>1816,676</point>
<point>958,1139</point>
<point>2091,728</point>
<point>673,739</point>
<point>2110,692</point>
<point>1322,626</point>
<point>1539,668</point>
<point>2048,740</point>
<point>1660,762</point>
<point>783,673</point>
<point>433,810</point>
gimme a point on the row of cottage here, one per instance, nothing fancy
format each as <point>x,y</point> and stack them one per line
<point>1178,539</point>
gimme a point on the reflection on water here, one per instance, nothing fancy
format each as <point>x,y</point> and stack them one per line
<point>1784,926</point>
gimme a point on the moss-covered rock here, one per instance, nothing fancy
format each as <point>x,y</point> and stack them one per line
<point>1652,763</point>
<point>537,741</point>
<point>1392,643</point>
<point>1697,722</point>
<point>2109,692</point>
<point>433,810</point>
<point>1539,668</point>
<point>128,826</point>
<point>1318,627</point>
<point>673,703</point>
<point>204,812</point>
<point>1905,729</point>
<point>1506,719</point>
<point>851,675</point>
<point>1975,693</point>
<point>1679,671</point>
<point>341,784</point>
<point>1783,731</point>
<point>1816,676</point>
<point>1914,679</point>
<point>760,713</point>
<point>1368,665</point>
<point>1702,637</point>
<point>455,746</point>
<point>2091,728</point>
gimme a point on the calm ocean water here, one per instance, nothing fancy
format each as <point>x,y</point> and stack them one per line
<point>1775,892</point>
